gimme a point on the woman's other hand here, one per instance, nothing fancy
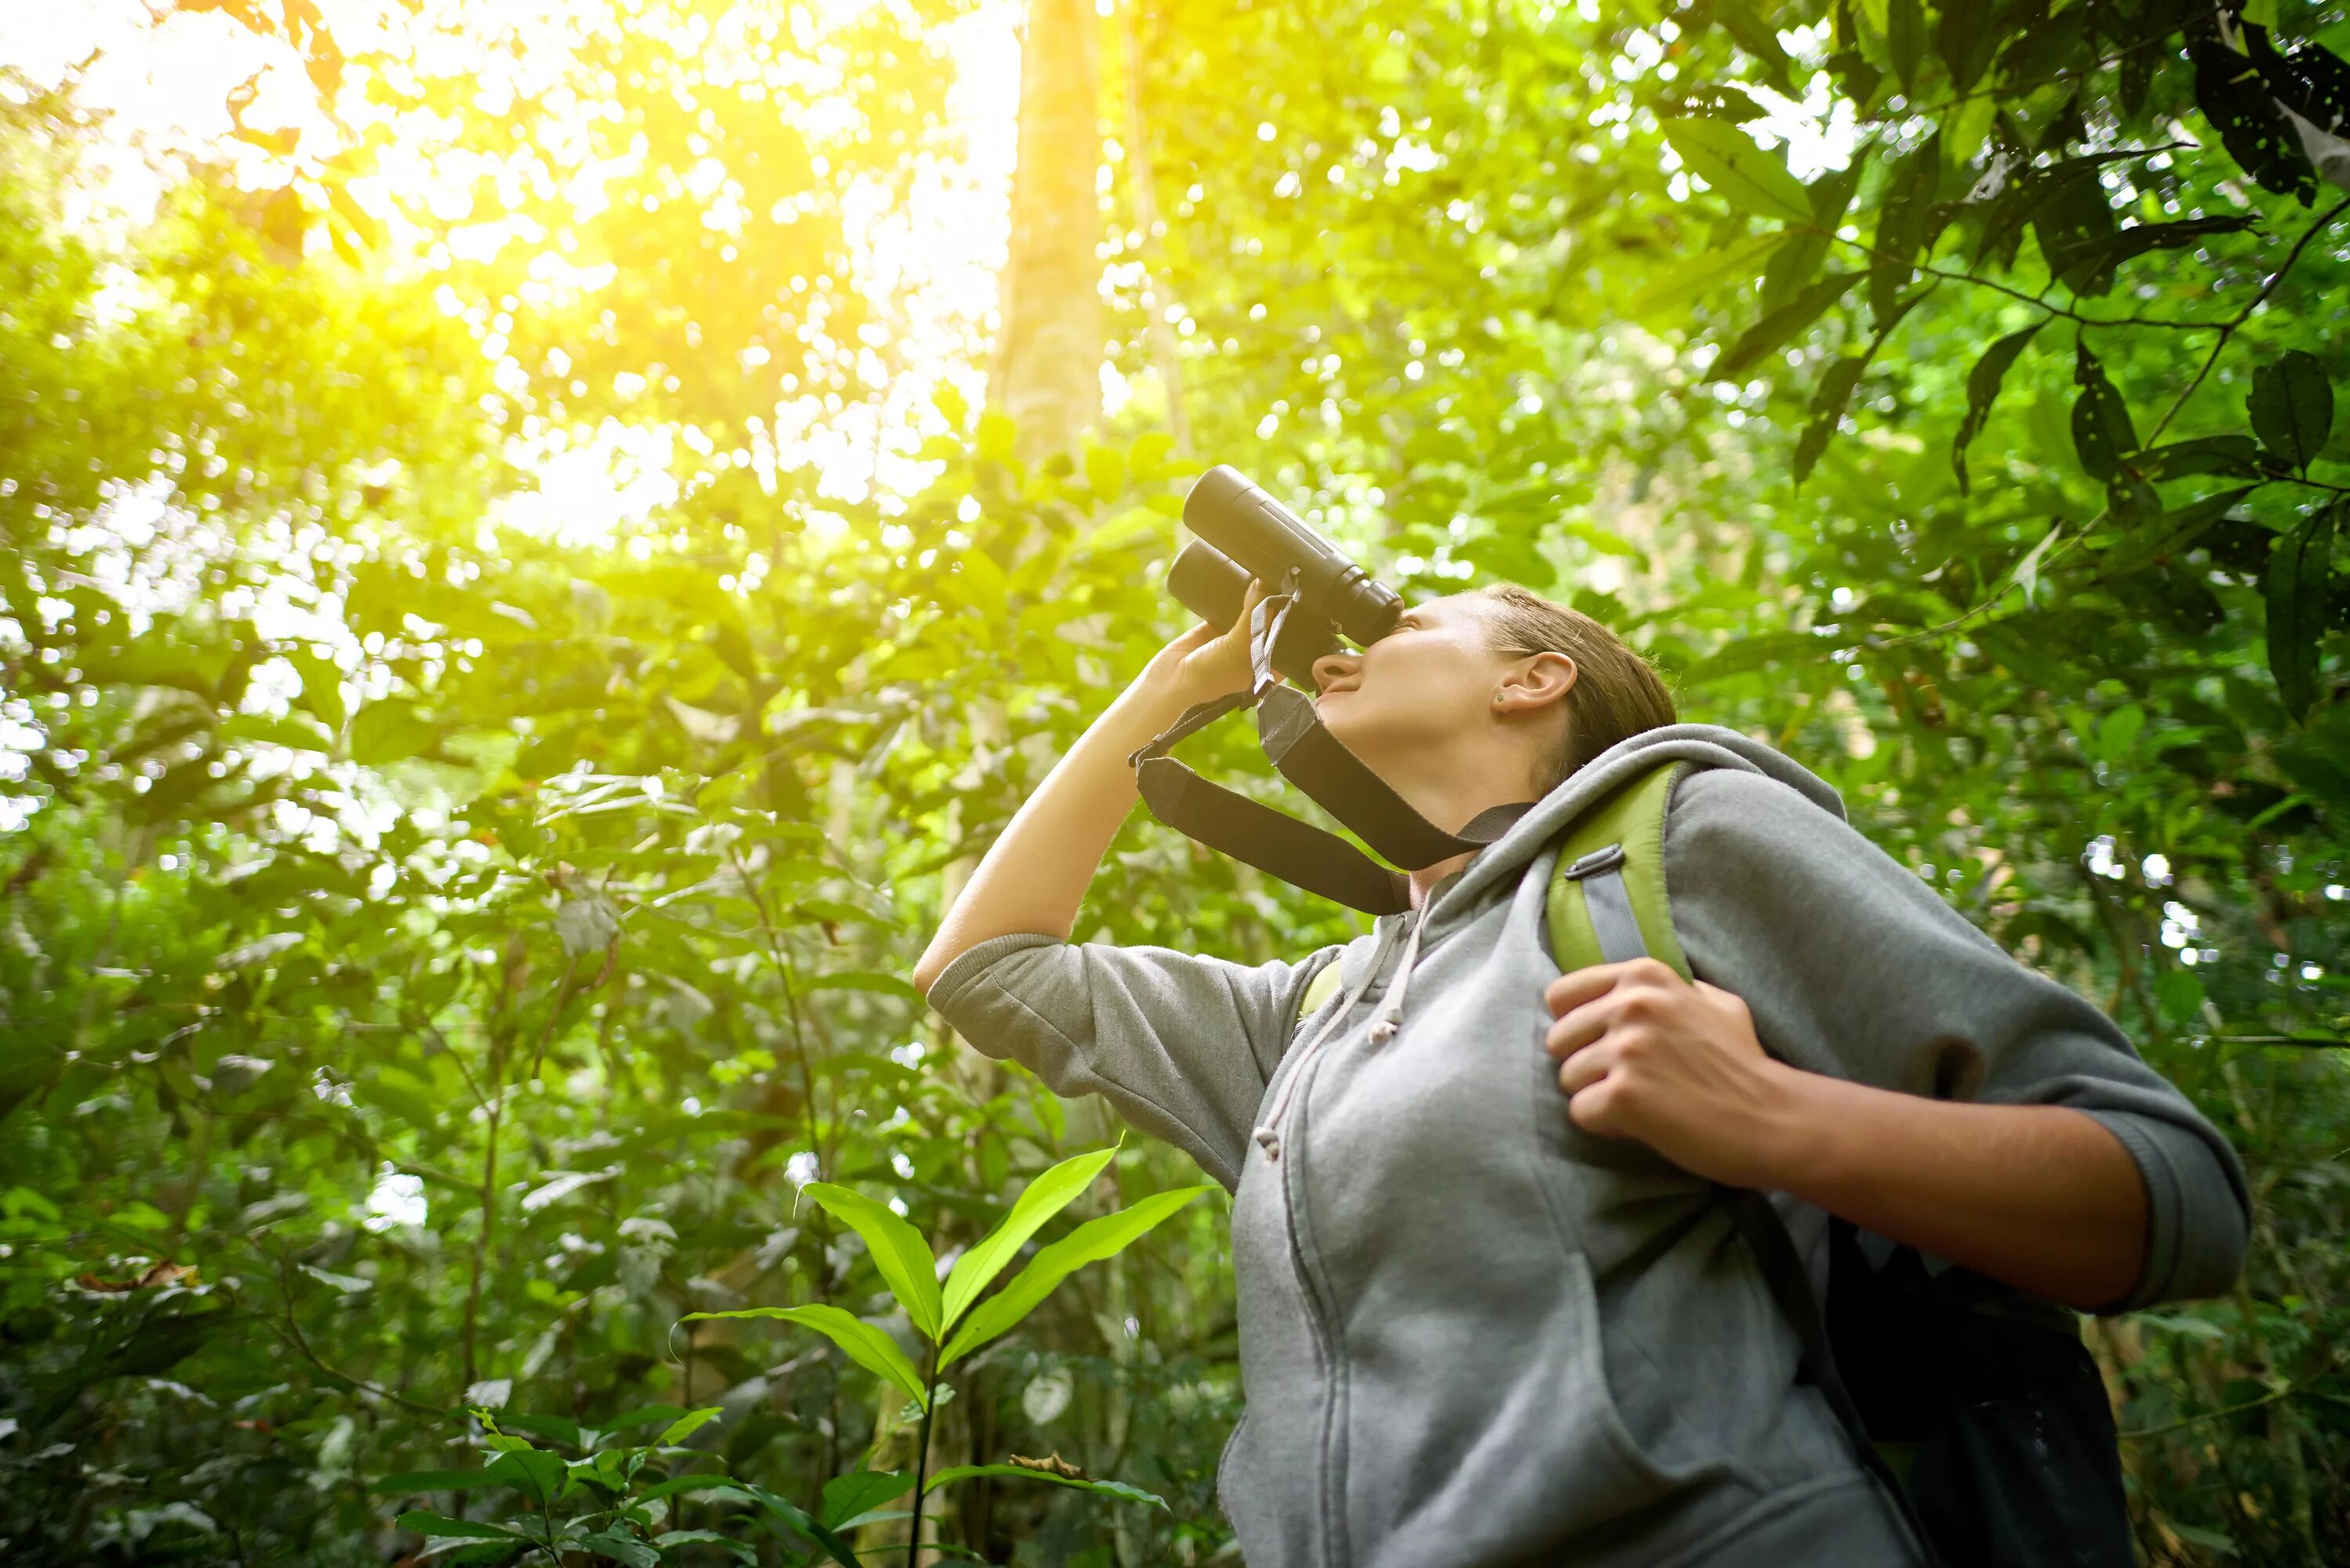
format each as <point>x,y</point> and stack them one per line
<point>1646,1054</point>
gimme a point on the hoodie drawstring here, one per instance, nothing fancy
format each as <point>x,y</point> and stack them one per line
<point>1267,1138</point>
<point>1391,1015</point>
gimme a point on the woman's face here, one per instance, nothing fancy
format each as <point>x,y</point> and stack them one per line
<point>1418,690</point>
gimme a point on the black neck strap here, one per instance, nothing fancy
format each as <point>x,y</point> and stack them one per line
<point>1312,759</point>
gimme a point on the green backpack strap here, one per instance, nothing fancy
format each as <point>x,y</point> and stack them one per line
<point>1607,899</point>
<point>1319,989</point>
<point>1594,892</point>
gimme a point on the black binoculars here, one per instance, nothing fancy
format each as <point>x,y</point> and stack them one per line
<point>1243,533</point>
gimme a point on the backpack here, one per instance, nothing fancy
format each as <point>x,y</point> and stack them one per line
<point>1977,1410</point>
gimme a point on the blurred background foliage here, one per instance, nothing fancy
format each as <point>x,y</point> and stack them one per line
<point>540,542</point>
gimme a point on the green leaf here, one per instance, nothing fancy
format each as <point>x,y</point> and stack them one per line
<point>645,1416</point>
<point>434,1480</point>
<point>2027,570</point>
<point>1105,471</point>
<point>2102,432</point>
<point>904,1260</point>
<point>622,1548</point>
<point>442,1524</point>
<point>1038,1202</point>
<point>743,1550</point>
<point>1966,39</point>
<point>2236,456</point>
<point>861,1492</point>
<point>1748,178</point>
<point>2175,532</point>
<point>687,1425</point>
<point>322,686</point>
<point>2299,574</point>
<point>2293,407</point>
<point>1118,1490</point>
<point>1905,221</point>
<point>1827,408</point>
<point>714,1483</point>
<point>535,1473</point>
<point>386,731</point>
<point>861,979</point>
<point>1905,39</point>
<point>1671,293</point>
<point>866,1345</point>
<point>799,1518</point>
<point>1776,327</point>
<point>1983,383</point>
<point>1089,1243</point>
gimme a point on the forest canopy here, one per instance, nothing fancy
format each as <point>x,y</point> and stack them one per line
<point>541,542</point>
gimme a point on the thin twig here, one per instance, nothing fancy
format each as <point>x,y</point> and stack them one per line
<point>2227,328</point>
<point>302,1345</point>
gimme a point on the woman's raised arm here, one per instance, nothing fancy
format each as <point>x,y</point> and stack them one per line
<point>1034,877</point>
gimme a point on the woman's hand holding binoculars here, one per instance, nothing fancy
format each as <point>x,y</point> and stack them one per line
<point>1204,664</point>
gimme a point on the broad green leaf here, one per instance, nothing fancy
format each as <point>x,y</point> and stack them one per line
<point>1038,1202</point>
<point>388,730</point>
<point>1982,391</point>
<point>622,1548</point>
<point>801,1520</point>
<point>1089,1243</point>
<point>1748,178</point>
<point>904,1260</point>
<point>537,1474</point>
<point>2102,432</point>
<point>743,1550</point>
<point>1671,293</point>
<point>2236,456</point>
<point>1774,330</point>
<point>322,686</point>
<point>2027,570</point>
<point>1905,39</point>
<point>442,1524</point>
<point>1828,403</point>
<point>2176,530</point>
<point>2293,407</point>
<point>645,1416</point>
<point>865,1344</point>
<point>2297,591</point>
<point>687,1425</point>
<point>861,1492</point>
<point>880,984</point>
<point>1022,1472</point>
<point>714,1484</point>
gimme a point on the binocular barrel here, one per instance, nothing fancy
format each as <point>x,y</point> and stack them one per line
<point>1268,539</point>
<point>1243,533</point>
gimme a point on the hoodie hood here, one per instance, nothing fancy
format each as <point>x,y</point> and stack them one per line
<point>1710,745</point>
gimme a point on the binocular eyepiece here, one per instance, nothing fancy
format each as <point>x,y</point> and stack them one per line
<point>1243,533</point>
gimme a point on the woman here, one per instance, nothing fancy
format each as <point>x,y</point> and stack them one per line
<point>1489,1315</point>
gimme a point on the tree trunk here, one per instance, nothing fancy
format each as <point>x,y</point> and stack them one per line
<point>1048,353</point>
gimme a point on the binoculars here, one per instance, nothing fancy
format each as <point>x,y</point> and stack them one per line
<point>1243,533</point>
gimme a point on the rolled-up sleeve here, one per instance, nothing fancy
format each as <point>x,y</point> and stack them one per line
<point>1182,1045</point>
<point>1852,966</point>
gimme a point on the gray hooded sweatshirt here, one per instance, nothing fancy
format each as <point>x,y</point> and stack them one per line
<point>1471,1334</point>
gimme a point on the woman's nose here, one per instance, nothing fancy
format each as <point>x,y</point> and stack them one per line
<point>1332,666</point>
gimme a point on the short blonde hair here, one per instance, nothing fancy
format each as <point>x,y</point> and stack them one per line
<point>1617,693</point>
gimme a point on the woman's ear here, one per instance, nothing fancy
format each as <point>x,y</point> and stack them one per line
<point>1542,680</point>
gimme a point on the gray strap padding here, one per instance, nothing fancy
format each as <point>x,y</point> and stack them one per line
<point>1612,920</point>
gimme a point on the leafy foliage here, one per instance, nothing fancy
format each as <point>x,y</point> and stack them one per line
<point>442,948</point>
